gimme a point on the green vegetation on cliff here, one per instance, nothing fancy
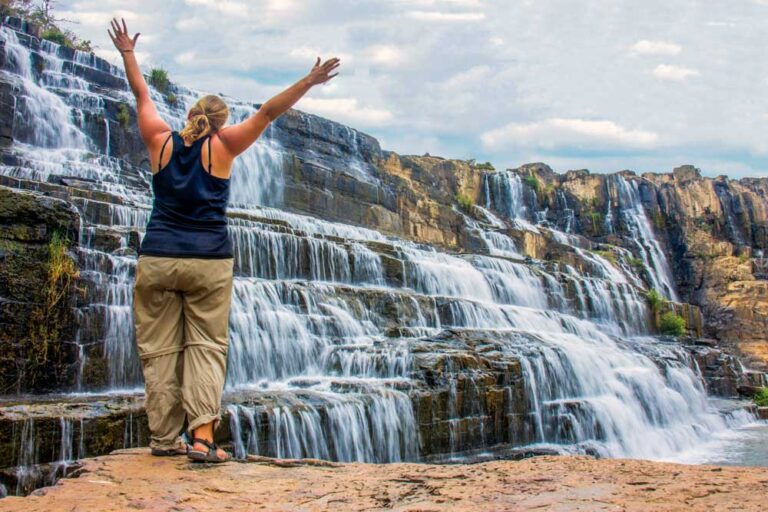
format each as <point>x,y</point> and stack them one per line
<point>52,314</point>
<point>672,324</point>
<point>42,14</point>
<point>655,299</point>
<point>487,166</point>
<point>533,182</point>
<point>158,78</point>
<point>761,398</point>
<point>669,323</point>
<point>465,202</point>
<point>607,255</point>
<point>123,115</point>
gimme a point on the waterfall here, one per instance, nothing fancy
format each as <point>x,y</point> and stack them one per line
<point>351,345</point>
<point>507,194</point>
<point>636,221</point>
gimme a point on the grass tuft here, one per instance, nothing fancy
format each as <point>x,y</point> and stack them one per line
<point>158,78</point>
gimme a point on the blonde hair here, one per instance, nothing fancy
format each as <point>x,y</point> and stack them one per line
<point>206,116</point>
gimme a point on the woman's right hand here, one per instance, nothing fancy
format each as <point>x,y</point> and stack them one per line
<point>321,73</point>
<point>123,42</point>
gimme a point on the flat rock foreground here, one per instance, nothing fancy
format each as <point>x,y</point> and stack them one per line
<point>134,480</point>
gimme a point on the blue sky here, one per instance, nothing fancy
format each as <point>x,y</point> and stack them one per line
<point>599,84</point>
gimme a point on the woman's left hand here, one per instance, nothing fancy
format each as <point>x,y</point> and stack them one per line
<point>321,73</point>
<point>123,42</point>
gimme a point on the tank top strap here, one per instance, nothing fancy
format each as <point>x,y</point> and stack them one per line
<point>178,142</point>
<point>209,154</point>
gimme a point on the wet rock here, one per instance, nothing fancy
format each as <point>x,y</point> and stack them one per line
<point>35,337</point>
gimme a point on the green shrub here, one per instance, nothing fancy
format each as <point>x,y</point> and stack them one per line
<point>635,262</point>
<point>761,398</point>
<point>655,299</point>
<point>672,324</point>
<point>172,99</point>
<point>608,255</point>
<point>123,115</point>
<point>158,78</point>
<point>532,182</point>
<point>743,257</point>
<point>465,202</point>
<point>597,220</point>
<point>55,35</point>
<point>84,45</point>
<point>487,166</point>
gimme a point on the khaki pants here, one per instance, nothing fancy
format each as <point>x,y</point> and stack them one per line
<point>181,308</point>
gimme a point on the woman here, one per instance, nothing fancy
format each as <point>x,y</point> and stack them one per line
<point>184,273</point>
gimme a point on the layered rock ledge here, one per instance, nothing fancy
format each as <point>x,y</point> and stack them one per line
<point>132,479</point>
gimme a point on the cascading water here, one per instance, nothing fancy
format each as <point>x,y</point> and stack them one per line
<point>333,349</point>
<point>635,220</point>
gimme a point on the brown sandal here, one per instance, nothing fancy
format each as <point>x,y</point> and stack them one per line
<point>211,455</point>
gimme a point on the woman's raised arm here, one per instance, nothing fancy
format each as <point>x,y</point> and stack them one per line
<point>151,126</point>
<point>237,138</point>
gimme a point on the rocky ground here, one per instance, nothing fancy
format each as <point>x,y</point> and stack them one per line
<point>132,479</point>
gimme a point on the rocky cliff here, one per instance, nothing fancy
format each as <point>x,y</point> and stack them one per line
<point>385,307</point>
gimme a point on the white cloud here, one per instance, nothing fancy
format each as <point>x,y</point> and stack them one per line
<point>446,16</point>
<point>191,23</point>
<point>466,78</point>
<point>306,55</point>
<point>432,3</point>
<point>223,6</point>
<point>440,73</point>
<point>185,58</point>
<point>385,54</point>
<point>558,132</point>
<point>674,73</point>
<point>346,110</point>
<point>646,47</point>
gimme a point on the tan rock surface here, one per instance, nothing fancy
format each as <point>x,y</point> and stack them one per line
<point>133,480</point>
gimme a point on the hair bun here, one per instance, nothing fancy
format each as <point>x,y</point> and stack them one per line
<point>206,116</point>
<point>202,122</point>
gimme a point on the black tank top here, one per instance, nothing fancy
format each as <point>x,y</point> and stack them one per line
<point>188,212</point>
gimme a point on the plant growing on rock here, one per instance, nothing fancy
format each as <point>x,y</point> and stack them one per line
<point>672,324</point>
<point>158,78</point>
<point>55,35</point>
<point>761,398</point>
<point>465,202</point>
<point>636,263</point>
<point>487,166</point>
<point>42,14</point>
<point>533,182</point>
<point>597,220</point>
<point>123,115</point>
<point>172,99</point>
<point>52,315</point>
<point>655,299</point>
<point>608,255</point>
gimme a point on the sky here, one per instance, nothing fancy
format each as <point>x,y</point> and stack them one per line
<point>605,85</point>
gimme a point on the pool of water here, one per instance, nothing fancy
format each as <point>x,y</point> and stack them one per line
<point>743,446</point>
